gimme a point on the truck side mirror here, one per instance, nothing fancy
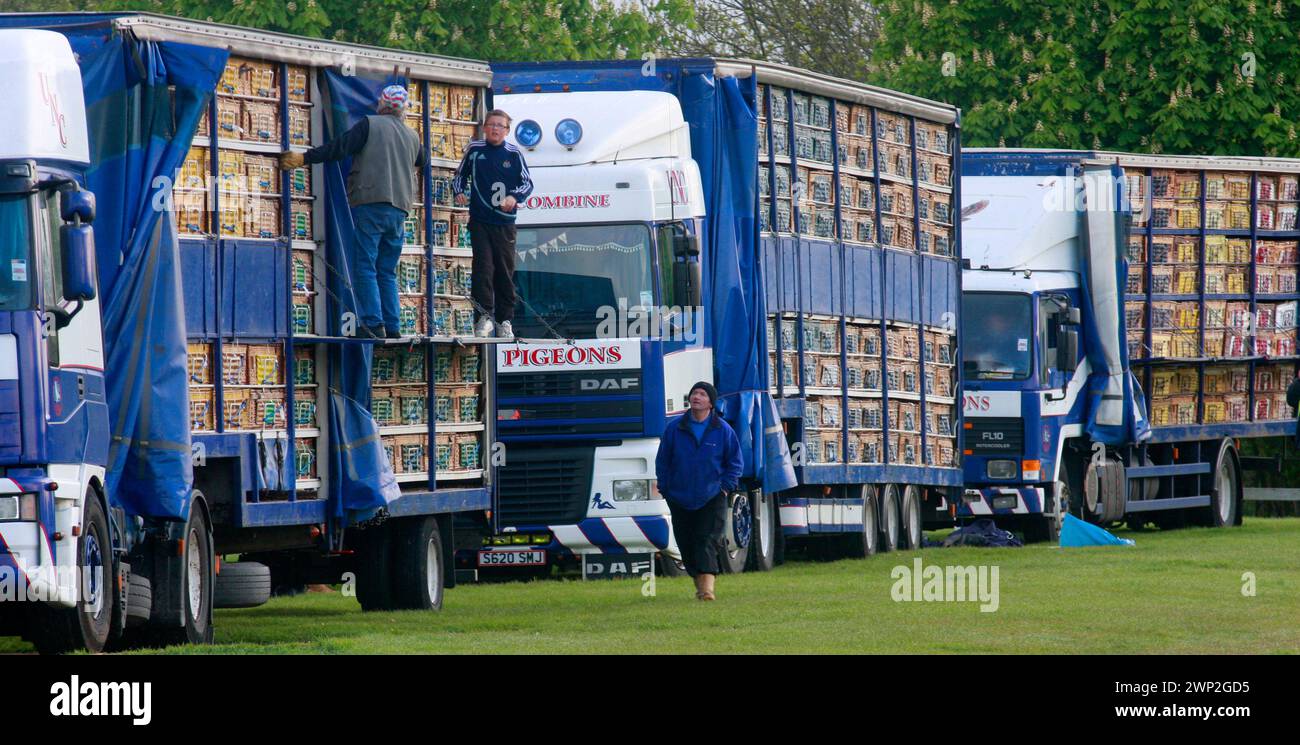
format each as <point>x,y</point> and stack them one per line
<point>686,283</point>
<point>1067,350</point>
<point>74,204</point>
<point>685,245</point>
<point>78,258</point>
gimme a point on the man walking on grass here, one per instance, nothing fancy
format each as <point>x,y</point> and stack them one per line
<point>493,179</point>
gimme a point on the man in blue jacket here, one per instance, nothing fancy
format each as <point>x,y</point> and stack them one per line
<point>698,465</point>
<point>493,179</point>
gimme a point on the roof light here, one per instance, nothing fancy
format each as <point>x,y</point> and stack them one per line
<point>568,132</point>
<point>528,133</point>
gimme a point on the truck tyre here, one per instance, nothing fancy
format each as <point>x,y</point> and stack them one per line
<point>243,584</point>
<point>912,534</point>
<point>139,601</point>
<point>762,546</point>
<point>1226,493</point>
<point>56,630</point>
<point>668,566</point>
<point>738,533</point>
<point>418,562</point>
<point>374,569</point>
<point>196,579</point>
<point>866,541</point>
<point>889,519</point>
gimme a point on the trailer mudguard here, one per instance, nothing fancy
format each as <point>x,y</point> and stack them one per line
<point>361,478</point>
<point>1115,415</point>
<point>143,103</point>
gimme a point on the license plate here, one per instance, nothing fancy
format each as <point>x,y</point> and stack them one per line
<point>515,558</point>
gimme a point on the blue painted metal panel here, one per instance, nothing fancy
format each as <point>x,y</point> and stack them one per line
<point>254,289</point>
<point>1177,469</point>
<point>820,277</point>
<point>901,300</point>
<point>442,501</point>
<point>771,276</point>
<point>941,295</point>
<point>789,274</point>
<point>77,430</point>
<point>271,514</point>
<point>1151,505</point>
<point>1189,433</point>
<point>199,289</point>
<point>864,295</point>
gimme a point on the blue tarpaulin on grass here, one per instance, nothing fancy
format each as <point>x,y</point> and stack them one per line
<point>1076,533</point>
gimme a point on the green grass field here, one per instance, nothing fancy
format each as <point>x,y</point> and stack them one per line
<point>1175,592</point>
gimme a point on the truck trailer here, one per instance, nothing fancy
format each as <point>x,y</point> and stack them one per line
<point>1130,320</point>
<point>785,235</point>
<point>185,383</point>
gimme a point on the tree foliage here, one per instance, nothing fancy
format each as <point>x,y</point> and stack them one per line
<point>517,30</point>
<point>1176,76</point>
<point>830,36</point>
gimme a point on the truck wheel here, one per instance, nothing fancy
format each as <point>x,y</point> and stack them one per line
<point>867,541</point>
<point>912,534</point>
<point>670,567</point>
<point>1222,510</point>
<point>889,519</point>
<point>58,630</point>
<point>738,534</point>
<point>762,547</point>
<point>196,586</point>
<point>243,584</point>
<point>417,550</point>
<point>374,567</point>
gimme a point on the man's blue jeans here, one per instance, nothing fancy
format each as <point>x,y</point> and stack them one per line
<point>380,236</point>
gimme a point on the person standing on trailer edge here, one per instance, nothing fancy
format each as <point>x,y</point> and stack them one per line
<point>493,179</point>
<point>386,154</point>
<point>698,465</point>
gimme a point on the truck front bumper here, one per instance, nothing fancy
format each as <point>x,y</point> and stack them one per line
<point>1002,500</point>
<point>594,535</point>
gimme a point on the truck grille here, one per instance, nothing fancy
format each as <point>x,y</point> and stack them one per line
<point>525,398</point>
<point>546,485</point>
<point>995,435</point>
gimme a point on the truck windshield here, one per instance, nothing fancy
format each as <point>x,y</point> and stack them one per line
<point>996,336</point>
<point>16,270</point>
<point>569,277</point>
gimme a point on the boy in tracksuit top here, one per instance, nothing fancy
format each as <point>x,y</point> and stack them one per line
<point>698,464</point>
<point>493,180</point>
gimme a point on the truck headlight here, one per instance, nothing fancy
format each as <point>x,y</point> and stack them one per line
<point>631,490</point>
<point>1002,469</point>
<point>18,507</point>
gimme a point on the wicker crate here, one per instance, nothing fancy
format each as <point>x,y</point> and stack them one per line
<point>232,173</point>
<point>300,220</point>
<point>232,80</point>
<point>265,364</point>
<point>383,366</point>
<point>905,449</point>
<point>411,454</point>
<point>269,410</point>
<point>303,319</point>
<point>305,458</point>
<point>191,209</point>
<point>383,407</point>
<point>231,218</point>
<point>904,416</point>
<point>469,452</point>
<point>299,126</point>
<point>262,217</point>
<point>444,453</point>
<point>461,135</point>
<point>261,174</point>
<point>441,140</point>
<point>470,365</point>
<point>300,182</point>
<point>438,100</point>
<point>412,405</point>
<point>230,118</point>
<point>194,171</point>
<point>261,121</point>
<point>410,366</point>
<point>411,316</point>
<point>298,83</point>
<point>234,364</point>
<point>460,103</point>
<point>237,408</point>
<point>410,275</point>
<point>444,408</point>
<point>1136,345</point>
<point>262,78</point>
<point>304,411</point>
<point>198,363</point>
<point>202,414</point>
<point>302,273</point>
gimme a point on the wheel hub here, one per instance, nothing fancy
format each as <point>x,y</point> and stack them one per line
<point>741,521</point>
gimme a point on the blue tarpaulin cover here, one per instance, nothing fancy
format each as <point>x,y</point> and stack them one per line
<point>361,476</point>
<point>143,103</point>
<point>1076,532</point>
<point>724,136</point>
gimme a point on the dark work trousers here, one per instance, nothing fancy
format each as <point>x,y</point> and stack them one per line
<point>492,284</point>
<point>699,535</point>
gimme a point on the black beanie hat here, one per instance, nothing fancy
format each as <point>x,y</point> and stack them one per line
<point>708,388</point>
